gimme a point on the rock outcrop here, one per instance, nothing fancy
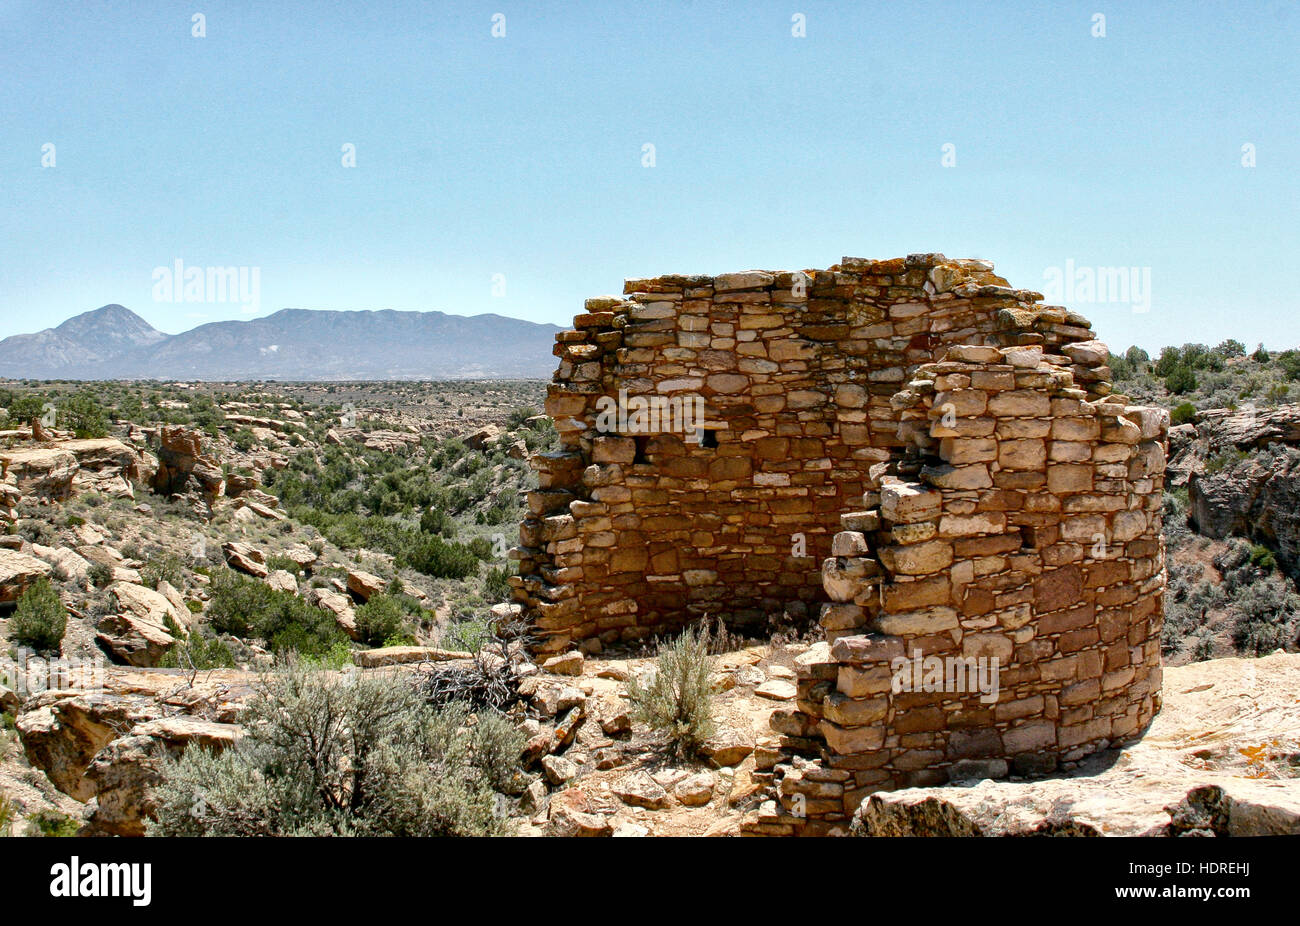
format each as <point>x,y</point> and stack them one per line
<point>103,465</point>
<point>42,472</point>
<point>1242,473</point>
<point>17,572</point>
<point>126,770</point>
<point>143,624</point>
<point>246,559</point>
<point>63,731</point>
<point>364,584</point>
<point>183,469</point>
<point>103,747</point>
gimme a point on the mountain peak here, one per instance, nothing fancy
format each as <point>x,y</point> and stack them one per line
<point>112,342</point>
<point>114,321</point>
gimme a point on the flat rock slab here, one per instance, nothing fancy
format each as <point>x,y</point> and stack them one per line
<point>640,790</point>
<point>777,689</point>
<point>400,655</point>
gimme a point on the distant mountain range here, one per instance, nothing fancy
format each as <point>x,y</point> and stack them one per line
<point>113,342</point>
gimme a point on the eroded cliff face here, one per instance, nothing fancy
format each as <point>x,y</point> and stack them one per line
<point>1242,473</point>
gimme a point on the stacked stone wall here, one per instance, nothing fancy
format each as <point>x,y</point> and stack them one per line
<point>1023,531</point>
<point>638,531</point>
<point>911,458</point>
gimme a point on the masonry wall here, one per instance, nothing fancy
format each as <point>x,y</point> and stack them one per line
<point>910,456</point>
<point>633,534</point>
<point>1023,525</point>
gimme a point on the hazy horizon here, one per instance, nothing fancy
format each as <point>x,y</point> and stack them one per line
<point>264,315</point>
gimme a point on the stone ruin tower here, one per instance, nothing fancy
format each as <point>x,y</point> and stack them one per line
<point>910,453</point>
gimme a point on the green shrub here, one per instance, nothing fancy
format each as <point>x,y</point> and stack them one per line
<point>379,619</point>
<point>433,556</point>
<point>1289,361</point>
<point>1267,616</point>
<point>466,635</point>
<point>275,562</point>
<point>165,568</point>
<point>678,700</point>
<point>245,607</point>
<point>359,756</point>
<point>1180,380</point>
<point>40,618</point>
<point>496,585</point>
<point>82,414</point>
<point>505,509</point>
<point>1225,459</point>
<point>1231,348</point>
<point>1182,413</point>
<point>339,656</point>
<point>518,416</point>
<point>25,408</point>
<point>1262,557</point>
<point>199,652</point>
<point>437,521</point>
<point>8,816</point>
<point>206,415</point>
<point>1169,360</point>
<point>54,823</point>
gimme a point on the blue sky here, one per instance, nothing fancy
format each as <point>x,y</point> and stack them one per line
<point>522,155</point>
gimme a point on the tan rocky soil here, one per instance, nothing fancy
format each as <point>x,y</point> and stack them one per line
<point>1230,724</point>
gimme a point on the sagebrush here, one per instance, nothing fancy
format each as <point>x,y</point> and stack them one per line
<point>678,698</point>
<point>345,755</point>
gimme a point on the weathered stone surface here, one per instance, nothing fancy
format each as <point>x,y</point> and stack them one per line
<point>339,605</point>
<point>571,814</point>
<point>183,468</point>
<point>40,471</point>
<point>776,690</point>
<point>17,572</point>
<point>402,655</point>
<point>728,746</point>
<point>640,790</point>
<point>570,663</point>
<point>364,584</point>
<point>695,790</point>
<point>245,558</point>
<point>133,639</point>
<point>559,770</point>
<point>148,605</point>
<point>125,771</point>
<point>282,580</point>
<point>63,731</point>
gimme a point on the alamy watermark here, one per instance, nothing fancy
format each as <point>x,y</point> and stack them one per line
<point>656,414</point>
<point>947,674</point>
<point>208,285</point>
<point>30,674</point>
<point>1075,285</point>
